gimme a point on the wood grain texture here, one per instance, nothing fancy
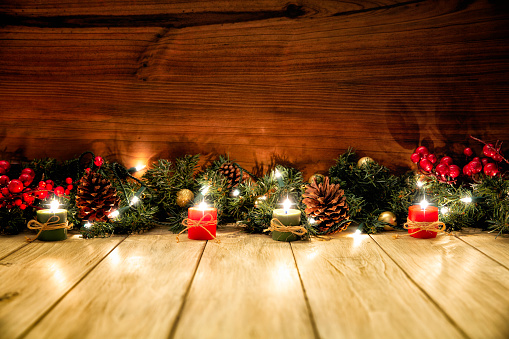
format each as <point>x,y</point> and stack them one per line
<point>246,287</point>
<point>11,243</point>
<point>356,291</point>
<point>469,286</point>
<point>265,81</point>
<point>137,291</point>
<point>39,274</point>
<point>494,247</point>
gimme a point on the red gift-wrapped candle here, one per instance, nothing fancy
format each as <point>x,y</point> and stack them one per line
<point>204,218</point>
<point>420,213</point>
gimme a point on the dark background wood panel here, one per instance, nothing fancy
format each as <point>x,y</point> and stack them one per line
<point>266,82</point>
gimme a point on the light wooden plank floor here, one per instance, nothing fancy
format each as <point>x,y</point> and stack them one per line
<point>249,286</point>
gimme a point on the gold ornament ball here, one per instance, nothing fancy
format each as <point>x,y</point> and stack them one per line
<point>363,161</point>
<point>316,177</point>
<point>184,197</point>
<point>388,217</point>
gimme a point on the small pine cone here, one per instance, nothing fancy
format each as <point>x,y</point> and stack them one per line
<point>326,203</point>
<point>232,173</point>
<point>95,197</point>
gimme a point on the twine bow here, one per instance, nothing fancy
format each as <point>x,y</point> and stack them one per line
<point>435,226</point>
<point>47,226</point>
<point>277,225</point>
<point>190,223</point>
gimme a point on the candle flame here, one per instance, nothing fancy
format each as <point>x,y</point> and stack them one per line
<point>202,205</point>
<point>287,204</point>
<point>53,206</point>
<point>424,204</point>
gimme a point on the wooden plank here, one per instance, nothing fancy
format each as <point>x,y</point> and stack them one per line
<point>11,243</point>
<point>494,247</point>
<point>251,80</point>
<point>356,291</point>
<point>136,292</point>
<point>41,273</point>
<point>469,286</point>
<point>245,287</point>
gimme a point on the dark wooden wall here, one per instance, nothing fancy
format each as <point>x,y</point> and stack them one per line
<point>264,80</point>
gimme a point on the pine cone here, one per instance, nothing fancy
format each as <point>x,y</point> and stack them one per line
<point>232,173</point>
<point>326,203</point>
<point>95,197</point>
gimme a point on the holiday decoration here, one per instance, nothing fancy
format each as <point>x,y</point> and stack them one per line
<point>184,197</point>
<point>201,222</point>
<point>316,177</point>
<point>423,221</point>
<point>51,223</point>
<point>96,197</point>
<point>326,204</point>
<point>389,218</point>
<point>234,173</point>
<point>364,161</point>
<point>285,223</point>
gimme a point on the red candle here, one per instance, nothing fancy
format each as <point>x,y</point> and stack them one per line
<point>206,217</point>
<point>419,214</point>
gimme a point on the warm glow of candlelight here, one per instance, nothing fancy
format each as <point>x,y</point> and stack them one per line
<point>202,205</point>
<point>287,204</point>
<point>424,204</point>
<point>54,205</point>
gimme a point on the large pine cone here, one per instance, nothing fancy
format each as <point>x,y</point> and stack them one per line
<point>326,203</point>
<point>232,173</point>
<point>95,197</point>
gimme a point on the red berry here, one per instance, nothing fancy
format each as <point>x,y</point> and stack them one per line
<point>442,169</point>
<point>415,157</point>
<point>485,161</point>
<point>426,165</point>
<point>476,159</point>
<point>22,206</point>
<point>467,170</point>
<point>4,180</point>
<point>50,182</point>
<point>454,171</point>
<point>42,184</point>
<point>475,166</point>
<point>17,202</point>
<point>68,181</point>
<point>488,150</point>
<point>24,177</point>
<point>67,192</point>
<point>5,165</point>
<point>468,152</point>
<point>49,187</point>
<point>41,194</point>
<point>70,187</point>
<point>2,170</point>
<point>489,168</point>
<point>59,190</point>
<point>28,171</point>
<point>15,186</point>
<point>432,158</point>
<point>422,150</point>
<point>497,157</point>
<point>98,161</point>
<point>6,192</point>
<point>446,160</point>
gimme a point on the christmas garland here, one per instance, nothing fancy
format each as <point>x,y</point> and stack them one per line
<point>104,198</point>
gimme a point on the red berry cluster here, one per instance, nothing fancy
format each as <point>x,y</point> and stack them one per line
<point>428,162</point>
<point>487,165</point>
<point>17,193</point>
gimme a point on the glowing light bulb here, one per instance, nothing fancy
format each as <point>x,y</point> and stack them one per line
<point>114,214</point>
<point>424,204</point>
<point>134,200</point>
<point>277,174</point>
<point>444,210</point>
<point>357,232</point>
<point>87,225</point>
<point>420,183</point>
<point>236,193</point>
<point>466,200</point>
<point>312,221</point>
<point>203,205</point>
<point>53,206</point>
<point>140,167</point>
